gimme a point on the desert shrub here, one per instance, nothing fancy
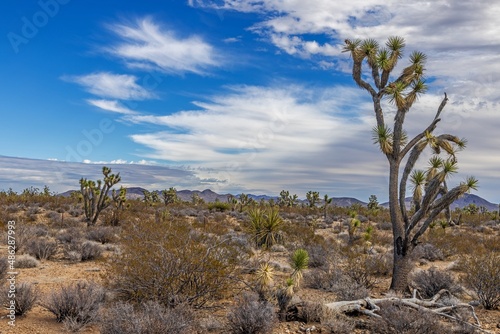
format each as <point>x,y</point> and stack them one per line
<point>400,319</point>
<point>42,248</point>
<point>219,206</point>
<point>91,250</point>
<point>148,318</point>
<point>171,263</point>
<point>102,234</point>
<point>251,316</point>
<point>361,270</point>
<point>75,211</point>
<point>311,312</point>
<point>455,243</point>
<point>79,250</point>
<point>53,216</point>
<point>385,226</point>
<point>76,305</point>
<point>428,252</point>
<point>39,230</point>
<point>32,212</point>
<point>482,275</point>
<point>13,208</point>
<point>343,286</point>
<point>4,267</point>
<point>492,243</point>
<point>379,264</point>
<point>338,323</point>
<point>210,325</point>
<point>26,261</point>
<point>430,282</point>
<point>69,235</point>
<point>25,298</point>
<point>318,255</point>
<point>24,235</point>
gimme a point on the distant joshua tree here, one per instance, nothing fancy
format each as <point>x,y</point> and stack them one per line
<point>95,194</point>
<point>169,196</point>
<point>312,198</point>
<point>326,201</point>
<point>431,195</point>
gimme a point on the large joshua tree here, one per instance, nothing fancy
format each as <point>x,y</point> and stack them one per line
<point>430,193</point>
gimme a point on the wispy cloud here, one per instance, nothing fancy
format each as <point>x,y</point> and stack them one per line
<point>113,86</point>
<point>146,45</point>
<point>111,105</point>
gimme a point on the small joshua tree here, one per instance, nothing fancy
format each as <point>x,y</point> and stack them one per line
<point>95,194</point>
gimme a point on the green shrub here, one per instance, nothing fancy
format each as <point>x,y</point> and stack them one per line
<point>219,206</point>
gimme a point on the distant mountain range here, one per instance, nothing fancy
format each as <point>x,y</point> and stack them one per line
<point>210,196</point>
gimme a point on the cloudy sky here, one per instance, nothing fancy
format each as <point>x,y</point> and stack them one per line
<point>233,95</point>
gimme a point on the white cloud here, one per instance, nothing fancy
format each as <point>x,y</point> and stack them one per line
<point>460,37</point>
<point>114,86</point>
<point>146,45</point>
<point>240,135</point>
<point>111,105</point>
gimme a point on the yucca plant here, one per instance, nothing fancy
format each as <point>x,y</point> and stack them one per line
<point>264,277</point>
<point>265,226</point>
<point>300,261</point>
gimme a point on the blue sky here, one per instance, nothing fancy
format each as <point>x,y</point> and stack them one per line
<point>232,95</point>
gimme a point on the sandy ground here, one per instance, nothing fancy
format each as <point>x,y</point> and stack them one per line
<point>49,277</point>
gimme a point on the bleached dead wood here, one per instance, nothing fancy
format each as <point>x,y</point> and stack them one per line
<point>370,306</point>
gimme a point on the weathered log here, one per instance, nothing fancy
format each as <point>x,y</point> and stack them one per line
<point>370,306</point>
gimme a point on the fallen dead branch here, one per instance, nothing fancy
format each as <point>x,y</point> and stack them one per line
<point>370,307</point>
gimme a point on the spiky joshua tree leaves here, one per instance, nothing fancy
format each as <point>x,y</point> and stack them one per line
<point>95,194</point>
<point>430,193</point>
